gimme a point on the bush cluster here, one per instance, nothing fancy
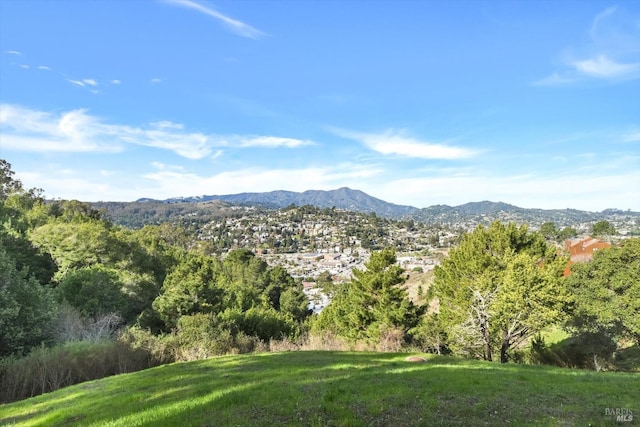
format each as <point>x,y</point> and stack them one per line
<point>48,369</point>
<point>589,350</point>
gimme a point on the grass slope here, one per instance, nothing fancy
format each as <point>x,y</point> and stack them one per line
<point>337,389</point>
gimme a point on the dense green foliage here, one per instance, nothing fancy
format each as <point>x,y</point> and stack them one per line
<point>550,232</point>
<point>373,304</point>
<point>64,267</point>
<point>603,228</point>
<point>607,292</point>
<point>499,287</point>
<point>26,308</point>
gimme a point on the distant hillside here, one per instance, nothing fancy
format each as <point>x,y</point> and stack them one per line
<point>140,213</point>
<point>485,211</point>
<point>342,198</point>
<point>202,209</point>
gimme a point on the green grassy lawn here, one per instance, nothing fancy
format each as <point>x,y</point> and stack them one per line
<point>337,389</point>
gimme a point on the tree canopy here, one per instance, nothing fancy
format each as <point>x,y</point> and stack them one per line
<point>603,228</point>
<point>500,286</point>
<point>372,302</point>
<point>26,308</point>
<point>607,292</point>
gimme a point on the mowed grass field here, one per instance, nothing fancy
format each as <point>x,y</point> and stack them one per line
<point>338,389</point>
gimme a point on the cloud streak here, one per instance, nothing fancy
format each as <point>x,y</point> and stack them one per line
<point>603,67</point>
<point>599,17</point>
<point>77,131</point>
<point>271,142</point>
<point>393,143</point>
<point>237,27</point>
<point>88,83</point>
<point>73,131</point>
<point>612,52</point>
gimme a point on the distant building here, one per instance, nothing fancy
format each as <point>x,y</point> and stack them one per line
<point>582,250</point>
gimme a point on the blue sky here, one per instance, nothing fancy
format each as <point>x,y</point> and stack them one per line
<point>534,103</point>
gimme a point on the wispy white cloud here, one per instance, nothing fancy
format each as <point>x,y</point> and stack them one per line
<point>83,82</point>
<point>238,27</point>
<point>78,83</point>
<point>555,79</point>
<point>189,145</point>
<point>631,137</point>
<point>156,81</point>
<point>271,142</point>
<point>599,17</point>
<point>74,131</point>
<point>610,53</point>
<point>166,124</point>
<point>394,143</point>
<point>44,68</point>
<point>24,129</point>
<point>115,82</point>
<point>25,66</point>
<point>603,67</point>
<point>13,52</point>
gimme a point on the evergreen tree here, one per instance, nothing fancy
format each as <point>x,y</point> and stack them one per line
<point>549,231</point>
<point>191,287</point>
<point>500,286</point>
<point>603,229</point>
<point>373,301</point>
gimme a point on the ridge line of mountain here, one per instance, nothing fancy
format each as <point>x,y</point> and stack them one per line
<point>356,200</point>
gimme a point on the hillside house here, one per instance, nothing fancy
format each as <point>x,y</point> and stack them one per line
<point>582,250</point>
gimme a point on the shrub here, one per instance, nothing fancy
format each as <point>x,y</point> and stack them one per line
<point>48,369</point>
<point>391,339</point>
<point>200,336</point>
<point>160,349</point>
<point>590,350</point>
<point>263,323</point>
<point>430,335</point>
<point>71,326</point>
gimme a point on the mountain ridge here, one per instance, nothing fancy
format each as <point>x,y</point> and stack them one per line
<point>359,201</point>
<point>341,198</point>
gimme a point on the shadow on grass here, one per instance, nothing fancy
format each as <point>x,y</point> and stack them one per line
<point>627,359</point>
<point>334,388</point>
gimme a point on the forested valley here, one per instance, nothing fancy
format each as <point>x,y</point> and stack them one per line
<point>82,298</point>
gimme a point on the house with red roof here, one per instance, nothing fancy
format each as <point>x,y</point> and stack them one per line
<point>582,250</point>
